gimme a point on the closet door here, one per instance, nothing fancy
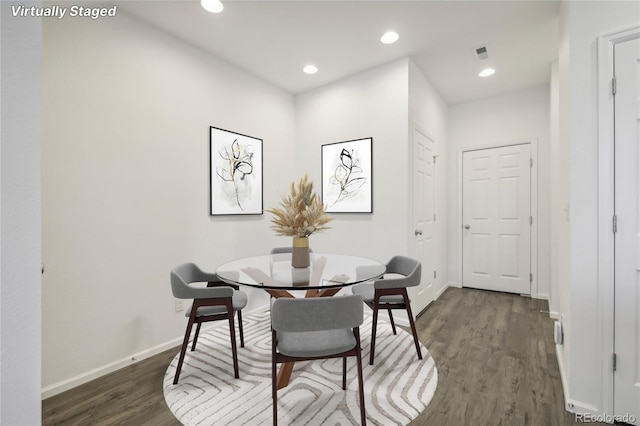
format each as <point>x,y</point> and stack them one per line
<point>496,212</point>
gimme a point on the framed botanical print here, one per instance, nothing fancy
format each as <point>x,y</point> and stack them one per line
<point>347,176</point>
<point>235,173</point>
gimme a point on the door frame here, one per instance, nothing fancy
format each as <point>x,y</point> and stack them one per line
<point>533,142</point>
<point>606,180</point>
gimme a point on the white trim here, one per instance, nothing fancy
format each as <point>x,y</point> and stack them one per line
<point>563,378</point>
<point>454,284</point>
<point>606,243</point>
<point>442,290</point>
<point>86,377</point>
<point>90,375</point>
<point>572,405</point>
<point>401,317</point>
<point>533,142</point>
<point>536,218</point>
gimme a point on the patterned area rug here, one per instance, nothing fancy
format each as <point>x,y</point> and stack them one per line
<point>397,387</point>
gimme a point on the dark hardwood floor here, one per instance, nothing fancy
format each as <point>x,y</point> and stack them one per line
<point>494,353</point>
<point>496,361</point>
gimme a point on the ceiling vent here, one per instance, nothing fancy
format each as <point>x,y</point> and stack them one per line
<point>482,52</point>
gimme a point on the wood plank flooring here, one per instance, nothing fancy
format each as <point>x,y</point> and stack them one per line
<point>494,352</point>
<point>496,361</point>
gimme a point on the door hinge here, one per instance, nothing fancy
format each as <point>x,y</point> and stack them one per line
<point>434,217</point>
<point>615,223</point>
<point>530,278</point>
<point>530,220</point>
<point>531,163</point>
<point>434,275</point>
<point>614,85</point>
<point>615,361</point>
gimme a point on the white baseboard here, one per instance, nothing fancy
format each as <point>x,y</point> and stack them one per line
<point>563,379</point>
<point>578,407</point>
<point>542,296</point>
<point>453,284</point>
<point>444,288</point>
<point>83,378</point>
<point>402,319</point>
<point>572,405</point>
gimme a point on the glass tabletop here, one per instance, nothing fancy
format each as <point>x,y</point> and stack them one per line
<point>275,272</point>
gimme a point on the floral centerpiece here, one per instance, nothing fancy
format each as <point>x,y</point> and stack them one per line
<point>301,213</point>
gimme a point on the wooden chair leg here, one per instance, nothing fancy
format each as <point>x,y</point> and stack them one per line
<point>372,351</point>
<point>393,324</point>
<point>274,389</point>
<point>195,337</point>
<point>363,415</point>
<point>240,329</point>
<point>407,303</point>
<point>185,343</point>
<point>344,373</point>
<point>234,351</point>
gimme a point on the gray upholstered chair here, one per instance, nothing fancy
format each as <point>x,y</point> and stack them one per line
<point>391,293</point>
<point>317,328</point>
<point>217,301</point>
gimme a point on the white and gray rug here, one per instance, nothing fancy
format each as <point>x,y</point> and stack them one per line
<point>398,386</point>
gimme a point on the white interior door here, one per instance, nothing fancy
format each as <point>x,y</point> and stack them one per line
<point>496,213</point>
<point>424,215</point>
<point>627,237</point>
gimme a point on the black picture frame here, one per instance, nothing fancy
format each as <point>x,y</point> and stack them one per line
<point>235,173</point>
<point>347,176</point>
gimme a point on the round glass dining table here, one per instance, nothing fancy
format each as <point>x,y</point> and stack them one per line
<point>325,276</point>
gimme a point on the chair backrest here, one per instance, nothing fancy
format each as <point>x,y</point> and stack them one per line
<point>411,270</point>
<point>317,313</point>
<point>187,273</point>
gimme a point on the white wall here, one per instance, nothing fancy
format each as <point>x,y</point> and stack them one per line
<point>428,110</point>
<point>126,116</point>
<point>512,117</point>
<point>374,104</point>
<point>383,103</point>
<point>587,353</point>
<point>20,216</point>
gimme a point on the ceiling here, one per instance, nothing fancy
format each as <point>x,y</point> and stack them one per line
<point>274,40</point>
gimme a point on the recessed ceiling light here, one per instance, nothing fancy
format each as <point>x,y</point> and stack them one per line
<point>487,72</point>
<point>310,69</point>
<point>213,6</point>
<point>389,37</point>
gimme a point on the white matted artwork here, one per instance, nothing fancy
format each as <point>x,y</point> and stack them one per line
<point>347,176</point>
<point>235,173</point>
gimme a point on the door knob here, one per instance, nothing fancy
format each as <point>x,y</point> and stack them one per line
<point>467,227</point>
<point>418,232</point>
